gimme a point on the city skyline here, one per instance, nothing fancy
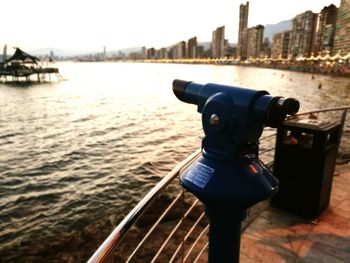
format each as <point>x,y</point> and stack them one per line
<point>117,25</point>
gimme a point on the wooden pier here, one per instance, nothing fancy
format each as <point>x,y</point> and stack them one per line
<point>22,66</point>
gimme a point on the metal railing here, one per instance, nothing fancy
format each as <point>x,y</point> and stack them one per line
<point>169,224</point>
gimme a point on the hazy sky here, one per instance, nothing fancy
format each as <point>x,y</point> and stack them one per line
<point>92,24</point>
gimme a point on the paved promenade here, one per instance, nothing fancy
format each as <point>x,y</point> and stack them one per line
<point>277,236</point>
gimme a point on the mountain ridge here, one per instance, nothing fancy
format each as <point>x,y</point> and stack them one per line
<point>271,29</point>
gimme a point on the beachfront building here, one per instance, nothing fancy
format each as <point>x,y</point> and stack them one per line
<point>280,45</point>
<point>218,43</point>
<point>163,53</point>
<point>151,53</point>
<point>144,52</point>
<point>325,29</point>
<point>303,37</point>
<point>200,52</point>
<point>255,41</point>
<point>342,31</point>
<point>241,50</point>
<point>192,47</point>
<point>180,50</point>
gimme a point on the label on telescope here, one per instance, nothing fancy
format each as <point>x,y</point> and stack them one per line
<point>199,174</point>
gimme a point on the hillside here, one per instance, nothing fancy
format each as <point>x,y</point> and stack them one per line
<point>271,29</point>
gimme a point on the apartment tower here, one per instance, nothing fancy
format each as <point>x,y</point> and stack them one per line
<point>254,41</point>
<point>342,31</point>
<point>192,47</point>
<point>280,45</point>
<point>242,31</point>
<point>303,34</point>
<point>218,43</point>
<point>326,28</point>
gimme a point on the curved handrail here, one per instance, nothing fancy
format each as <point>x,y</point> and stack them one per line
<point>322,111</point>
<point>114,238</point>
<point>107,247</point>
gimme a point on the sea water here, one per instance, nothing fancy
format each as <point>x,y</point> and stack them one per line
<point>77,155</point>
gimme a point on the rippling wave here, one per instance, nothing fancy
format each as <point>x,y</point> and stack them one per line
<point>77,155</point>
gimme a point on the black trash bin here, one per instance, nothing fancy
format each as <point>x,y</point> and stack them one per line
<point>305,158</point>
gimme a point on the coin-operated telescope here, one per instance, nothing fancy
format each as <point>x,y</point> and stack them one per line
<point>229,177</point>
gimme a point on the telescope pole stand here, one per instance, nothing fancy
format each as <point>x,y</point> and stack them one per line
<point>224,233</point>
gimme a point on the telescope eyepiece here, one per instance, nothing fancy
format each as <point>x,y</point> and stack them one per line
<point>280,108</point>
<point>291,106</point>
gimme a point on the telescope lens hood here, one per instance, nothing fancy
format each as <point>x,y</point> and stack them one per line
<point>179,87</point>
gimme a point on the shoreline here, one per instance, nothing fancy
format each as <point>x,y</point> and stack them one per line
<point>329,69</point>
<point>337,71</point>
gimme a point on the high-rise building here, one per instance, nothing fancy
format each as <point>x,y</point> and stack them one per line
<point>228,50</point>
<point>192,47</point>
<point>255,41</point>
<point>241,50</point>
<point>151,53</point>
<point>280,45</point>
<point>163,53</point>
<point>143,52</point>
<point>342,31</point>
<point>104,52</point>
<point>218,43</point>
<point>172,52</point>
<point>180,51</point>
<point>303,34</point>
<point>266,48</point>
<point>325,29</point>
<point>200,52</point>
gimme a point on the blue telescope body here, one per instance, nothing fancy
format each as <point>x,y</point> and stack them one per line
<point>233,118</point>
<point>229,177</point>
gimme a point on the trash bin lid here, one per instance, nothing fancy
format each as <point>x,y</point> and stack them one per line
<point>312,124</point>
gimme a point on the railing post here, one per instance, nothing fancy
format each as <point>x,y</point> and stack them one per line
<point>342,124</point>
<point>343,119</point>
